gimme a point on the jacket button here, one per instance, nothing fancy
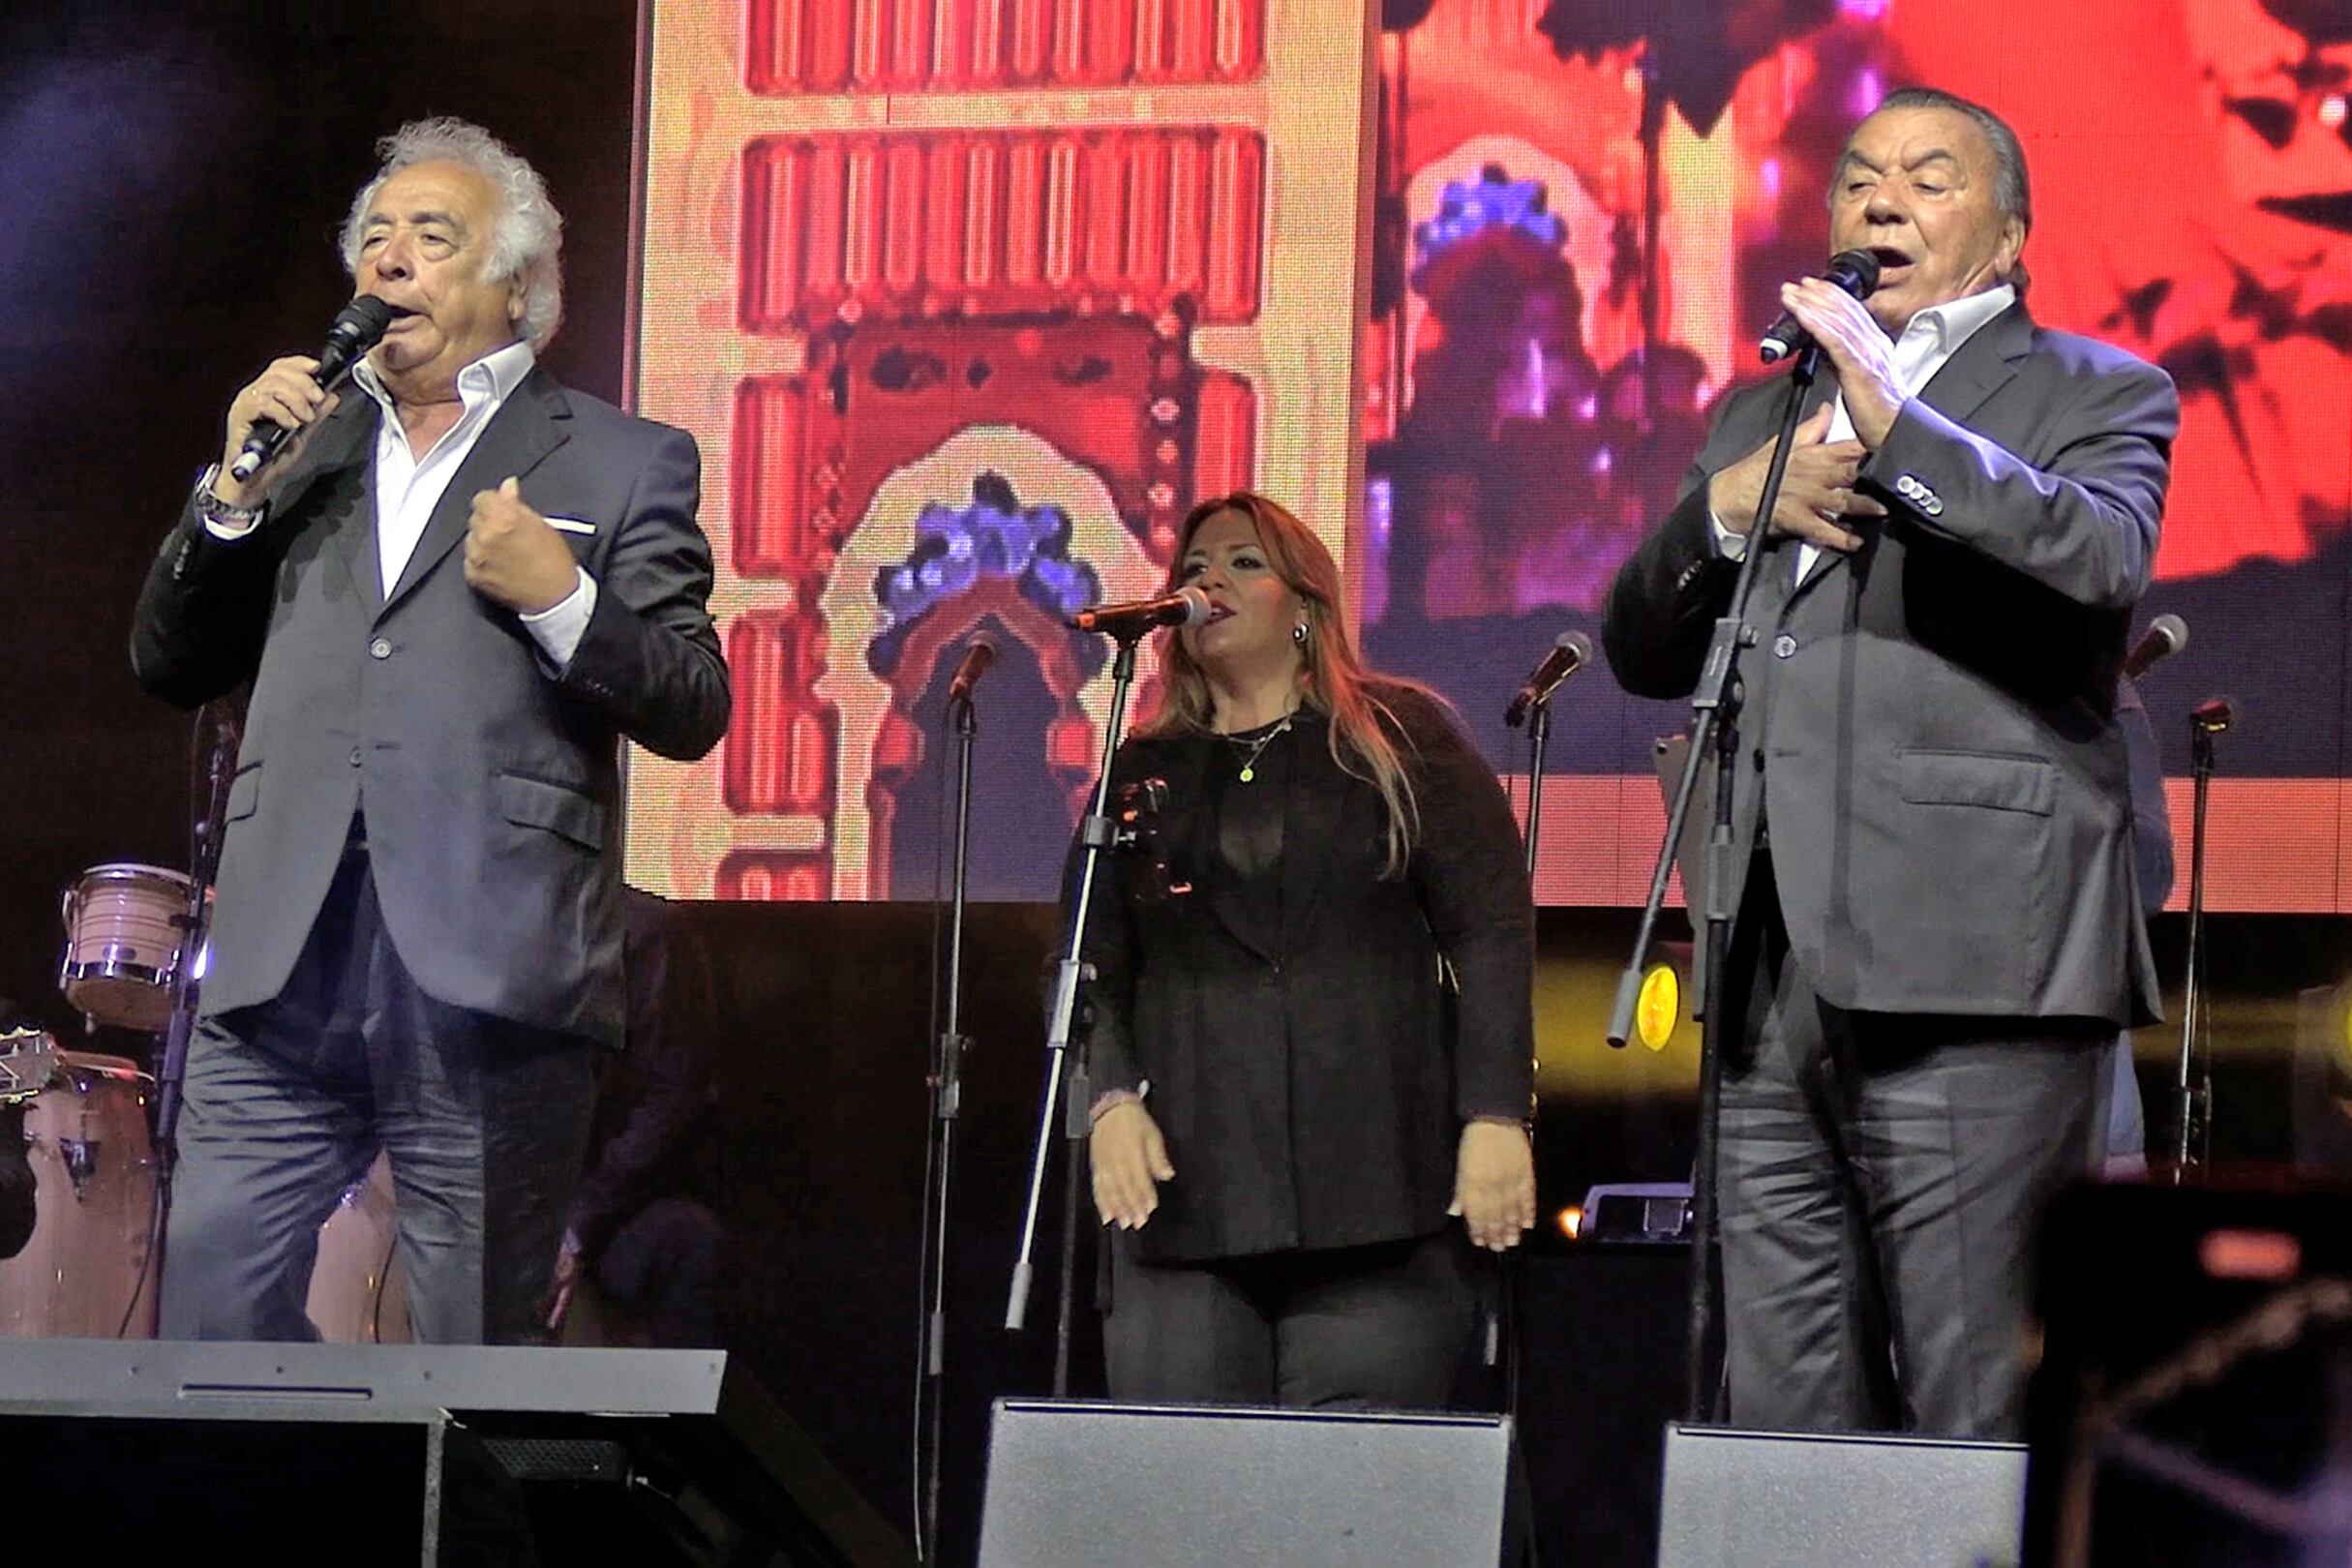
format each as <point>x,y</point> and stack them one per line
<point>354,756</point>
<point>1757,757</point>
<point>1783,645</point>
<point>381,649</point>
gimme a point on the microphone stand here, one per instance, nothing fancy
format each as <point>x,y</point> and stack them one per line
<point>1502,1319</point>
<point>2192,1079</point>
<point>939,1157</point>
<point>1097,834</point>
<point>1714,724</point>
<point>195,922</point>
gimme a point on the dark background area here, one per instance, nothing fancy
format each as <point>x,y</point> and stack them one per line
<point>176,176</point>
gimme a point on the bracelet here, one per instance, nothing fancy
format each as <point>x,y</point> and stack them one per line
<point>212,509</point>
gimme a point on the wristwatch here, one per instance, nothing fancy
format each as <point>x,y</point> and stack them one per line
<point>213,510</point>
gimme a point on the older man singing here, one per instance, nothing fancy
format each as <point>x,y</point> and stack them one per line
<point>455,592</point>
<point>1938,930</point>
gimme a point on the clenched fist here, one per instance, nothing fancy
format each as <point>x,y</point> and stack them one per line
<point>513,556</point>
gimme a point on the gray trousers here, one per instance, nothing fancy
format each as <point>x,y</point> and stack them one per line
<point>1880,1182</point>
<point>286,1104</point>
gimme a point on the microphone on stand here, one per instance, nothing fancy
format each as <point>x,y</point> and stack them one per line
<point>1854,271</point>
<point>1185,607</point>
<point>2214,715</point>
<point>358,327</point>
<point>2165,636</point>
<point>979,654</point>
<point>1569,655</point>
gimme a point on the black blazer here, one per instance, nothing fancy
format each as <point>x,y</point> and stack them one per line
<point>1312,1086</point>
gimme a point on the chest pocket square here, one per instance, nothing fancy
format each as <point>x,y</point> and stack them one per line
<point>572,525</point>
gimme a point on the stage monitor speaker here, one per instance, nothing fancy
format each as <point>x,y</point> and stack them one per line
<point>1770,1499</point>
<point>411,1453</point>
<point>1206,1487</point>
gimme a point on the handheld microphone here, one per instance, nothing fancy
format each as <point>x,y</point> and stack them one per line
<point>358,327</point>
<point>1854,271</point>
<point>979,654</point>
<point>1569,655</point>
<point>1185,607</point>
<point>2165,636</point>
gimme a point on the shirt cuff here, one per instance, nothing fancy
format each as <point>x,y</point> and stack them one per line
<point>1729,545</point>
<point>559,628</point>
<point>222,532</point>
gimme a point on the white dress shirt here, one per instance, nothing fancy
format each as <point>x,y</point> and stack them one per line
<point>1932,338</point>
<point>408,487</point>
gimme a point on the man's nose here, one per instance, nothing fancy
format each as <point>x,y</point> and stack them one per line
<point>392,260</point>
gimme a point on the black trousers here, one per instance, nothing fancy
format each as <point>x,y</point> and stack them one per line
<point>1880,1181</point>
<point>1377,1327</point>
<point>286,1104</point>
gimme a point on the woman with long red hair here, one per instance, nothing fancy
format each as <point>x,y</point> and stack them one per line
<point>1313,1038</point>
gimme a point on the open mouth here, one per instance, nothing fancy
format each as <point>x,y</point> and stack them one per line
<point>1892,264</point>
<point>1218,613</point>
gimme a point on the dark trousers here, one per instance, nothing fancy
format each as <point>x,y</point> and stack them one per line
<point>1880,1181</point>
<point>1379,1327</point>
<point>285,1106</point>
<point>664,1267</point>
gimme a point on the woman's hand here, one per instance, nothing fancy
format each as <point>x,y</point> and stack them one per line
<point>1130,1159</point>
<point>1494,1183</point>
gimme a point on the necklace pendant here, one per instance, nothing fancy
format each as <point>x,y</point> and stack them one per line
<point>1249,772</point>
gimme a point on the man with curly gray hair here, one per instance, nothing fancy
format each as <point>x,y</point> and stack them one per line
<point>455,593</point>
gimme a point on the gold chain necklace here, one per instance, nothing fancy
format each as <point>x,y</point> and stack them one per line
<point>1258,747</point>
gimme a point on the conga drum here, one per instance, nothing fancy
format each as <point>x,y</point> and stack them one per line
<point>359,1294</point>
<point>85,1271</point>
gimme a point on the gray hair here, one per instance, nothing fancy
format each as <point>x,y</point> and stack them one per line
<point>527,241</point>
<point>2012,193</point>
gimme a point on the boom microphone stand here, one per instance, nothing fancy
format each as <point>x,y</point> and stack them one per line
<point>216,735</point>
<point>1714,724</point>
<point>2192,1079</point>
<point>1096,833</point>
<point>939,1158</point>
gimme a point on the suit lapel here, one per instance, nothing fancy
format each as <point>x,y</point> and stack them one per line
<point>334,477</point>
<point>527,426</point>
<point>1985,364</point>
<point>1823,392</point>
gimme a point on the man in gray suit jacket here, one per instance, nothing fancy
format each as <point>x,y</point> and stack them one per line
<point>1938,926</point>
<point>454,596</point>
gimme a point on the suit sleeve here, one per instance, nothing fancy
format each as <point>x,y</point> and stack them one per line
<point>203,612</point>
<point>2084,521</point>
<point>650,658</point>
<point>1665,601</point>
<point>1472,882</point>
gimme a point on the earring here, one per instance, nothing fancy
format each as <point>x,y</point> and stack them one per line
<point>1298,633</point>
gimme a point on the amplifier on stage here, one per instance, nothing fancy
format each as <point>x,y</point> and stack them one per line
<point>1636,1211</point>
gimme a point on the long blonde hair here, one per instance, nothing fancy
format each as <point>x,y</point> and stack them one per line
<point>1332,679</point>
